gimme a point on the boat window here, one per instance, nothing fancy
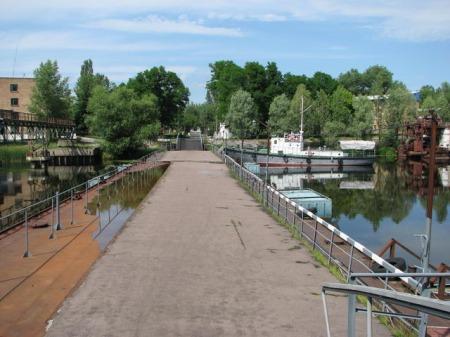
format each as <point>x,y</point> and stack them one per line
<point>275,141</point>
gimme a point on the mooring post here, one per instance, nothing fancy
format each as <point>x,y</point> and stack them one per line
<point>27,246</point>
<point>58,213</point>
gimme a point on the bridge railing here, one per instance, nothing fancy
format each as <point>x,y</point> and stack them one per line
<point>339,249</point>
<point>50,206</point>
<point>11,115</point>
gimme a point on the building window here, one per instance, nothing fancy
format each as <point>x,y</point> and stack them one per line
<point>14,87</point>
<point>14,102</point>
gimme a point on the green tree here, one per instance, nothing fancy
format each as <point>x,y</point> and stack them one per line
<point>51,94</point>
<point>322,81</point>
<point>378,80</point>
<point>332,130</point>
<point>171,94</point>
<point>281,118</point>
<point>296,109</point>
<point>123,119</point>
<point>341,109</point>
<point>352,80</point>
<point>400,108</point>
<point>226,78</point>
<point>291,83</point>
<point>241,116</point>
<point>426,91</point>
<point>320,112</point>
<point>362,123</point>
<point>83,91</point>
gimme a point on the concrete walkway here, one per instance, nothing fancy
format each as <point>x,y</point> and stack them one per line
<point>201,258</point>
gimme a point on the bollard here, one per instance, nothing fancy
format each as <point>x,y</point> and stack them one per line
<point>27,243</point>
<point>58,215</point>
<point>71,207</point>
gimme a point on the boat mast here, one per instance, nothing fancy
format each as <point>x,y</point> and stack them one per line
<point>301,127</point>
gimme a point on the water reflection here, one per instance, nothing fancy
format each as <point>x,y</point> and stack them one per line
<point>21,185</point>
<point>388,201</point>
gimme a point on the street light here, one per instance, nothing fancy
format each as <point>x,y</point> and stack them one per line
<point>267,156</point>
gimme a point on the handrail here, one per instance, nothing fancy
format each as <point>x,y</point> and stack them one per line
<point>424,304</point>
<point>374,257</point>
<point>29,117</point>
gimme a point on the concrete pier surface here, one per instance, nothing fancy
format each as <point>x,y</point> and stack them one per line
<point>201,258</point>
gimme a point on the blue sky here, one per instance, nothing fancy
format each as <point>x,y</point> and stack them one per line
<point>411,38</point>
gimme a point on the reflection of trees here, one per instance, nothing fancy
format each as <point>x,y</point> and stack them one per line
<point>389,199</point>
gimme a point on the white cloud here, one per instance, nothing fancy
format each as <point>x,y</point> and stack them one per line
<point>414,20</point>
<point>156,24</point>
<point>182,71</point>
<point>71,40</point>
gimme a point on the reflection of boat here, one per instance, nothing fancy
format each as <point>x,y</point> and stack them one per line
<point>311,200</point>
<point>292,181</point>
<point>444,173</point>
<point>313,170</point>
<point>288,152</point>
<point>357,185</point>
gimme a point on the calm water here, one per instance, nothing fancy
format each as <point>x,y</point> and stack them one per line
<point>383,202</point>
<point>20,185</point>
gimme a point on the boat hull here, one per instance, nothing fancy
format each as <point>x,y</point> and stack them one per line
<point>277,160</point>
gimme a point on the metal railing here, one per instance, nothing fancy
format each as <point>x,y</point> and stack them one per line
<point>417,307</point>
<point>10,115</point>
<point>340,250</point>
<point>51,206</point>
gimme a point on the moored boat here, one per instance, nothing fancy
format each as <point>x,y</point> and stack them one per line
<point>288,151</point>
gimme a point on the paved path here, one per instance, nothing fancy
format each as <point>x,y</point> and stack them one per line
<point>200,258</point>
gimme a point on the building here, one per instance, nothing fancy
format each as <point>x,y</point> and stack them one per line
<point>15,93</point>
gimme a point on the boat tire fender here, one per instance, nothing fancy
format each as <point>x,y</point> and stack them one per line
<point>285,158</point>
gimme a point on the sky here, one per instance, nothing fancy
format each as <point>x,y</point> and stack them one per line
<point>124,37</point>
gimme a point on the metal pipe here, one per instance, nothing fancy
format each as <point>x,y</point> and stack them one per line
<point>27,241</point>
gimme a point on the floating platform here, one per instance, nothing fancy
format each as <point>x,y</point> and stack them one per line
<point>311,200</point>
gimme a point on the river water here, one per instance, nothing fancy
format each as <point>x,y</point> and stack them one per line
<point>378,203</point>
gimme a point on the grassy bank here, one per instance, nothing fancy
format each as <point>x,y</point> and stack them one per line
<point>13,153</point>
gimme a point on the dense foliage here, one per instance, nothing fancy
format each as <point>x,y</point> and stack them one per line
<point>51,94</point>
<point>123,119</point>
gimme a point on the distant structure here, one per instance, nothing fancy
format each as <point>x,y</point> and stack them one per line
<point>223,132</point>
<point>15,93</point>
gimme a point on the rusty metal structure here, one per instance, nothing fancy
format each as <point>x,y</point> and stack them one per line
<point>418,137</point>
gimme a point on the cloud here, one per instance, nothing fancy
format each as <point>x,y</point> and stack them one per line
<point>411,20</point>
<point>157,24</point>
<point>73,40</point>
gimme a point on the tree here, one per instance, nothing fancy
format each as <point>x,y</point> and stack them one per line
<point>352,80</point>
<point>291,83</point>
<point>426,91</point>
<point>332,130</point>
<point>296,108</point>
<point>241,116</point>
<point>83,91</point>
<point>281,118</point>
<point>123,118</point>
<point>341,109</point>
<point>400,108</point>
<point>378,80</point>
<point>362,123</point>
<point>226,78</point>
<point>171,94</point>
<point>51,94</point>
<point>320,112</point>
<point>322,81</point>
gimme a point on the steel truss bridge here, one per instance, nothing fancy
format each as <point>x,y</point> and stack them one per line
<point>15,125</point>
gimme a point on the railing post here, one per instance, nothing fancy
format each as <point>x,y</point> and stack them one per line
<point>351,314</point>
<point>58,213</point>
<point>350,260</point>
<point>71,206</point>
<point>315,235</point>
<point>86,197</point>
<point>278,204</point>
<point>27,241</point>
<point>369,317</point>
<point>52,224</point>
<point>331,247</point>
